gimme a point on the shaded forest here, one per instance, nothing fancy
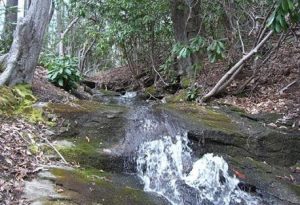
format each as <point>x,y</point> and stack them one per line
<point>237,55</point>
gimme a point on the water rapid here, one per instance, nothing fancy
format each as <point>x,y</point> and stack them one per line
<point>166,167</point>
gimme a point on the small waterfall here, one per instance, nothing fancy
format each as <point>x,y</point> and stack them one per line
<point>166,168</point>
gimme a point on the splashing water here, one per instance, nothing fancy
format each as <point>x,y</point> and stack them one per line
<point>166,168</point>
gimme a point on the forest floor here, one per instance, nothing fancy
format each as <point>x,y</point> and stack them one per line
<point>19,159</point>
<point>21,155</point>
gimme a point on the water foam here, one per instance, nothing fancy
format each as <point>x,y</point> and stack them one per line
<point>166,168</point>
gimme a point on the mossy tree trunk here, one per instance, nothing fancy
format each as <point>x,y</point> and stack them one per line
<point>26,47</point>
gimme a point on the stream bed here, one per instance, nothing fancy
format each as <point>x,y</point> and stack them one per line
<point>133,152</point>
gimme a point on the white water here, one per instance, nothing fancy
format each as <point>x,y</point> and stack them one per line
<point>166,168</point>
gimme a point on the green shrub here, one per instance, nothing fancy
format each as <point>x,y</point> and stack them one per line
<point>63,72</point>
<point>192,94</point>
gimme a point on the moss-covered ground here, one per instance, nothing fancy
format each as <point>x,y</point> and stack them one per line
<point>18,101</point>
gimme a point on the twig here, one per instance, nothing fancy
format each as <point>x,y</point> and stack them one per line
<point>287,87</point>
<point>50,145</point>
<point>152,96</point>
<point>240,36</point>
<point>263,28</point>
<point>22,137</point>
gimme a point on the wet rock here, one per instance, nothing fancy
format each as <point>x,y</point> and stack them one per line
<point>260,153</point>
<point>272,147</point>
<point>87,186</point>
<point>39,190</point>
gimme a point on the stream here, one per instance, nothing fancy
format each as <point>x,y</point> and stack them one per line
<point>142,155</point>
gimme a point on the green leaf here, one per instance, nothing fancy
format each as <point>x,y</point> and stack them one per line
<point>61,82</point>
<point>277,27</point>
<point>291,5</point>
<point>271,19</point>
<point>68,71</point>
<point>285,5</point>
<point>281,20</point>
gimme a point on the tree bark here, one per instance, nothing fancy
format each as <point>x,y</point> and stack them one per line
<point>27,4</point>
<point>2,62</point>
<point>61,46</point>
<point>24,52</point>
<point>10,21</point>
<point>186,23</point>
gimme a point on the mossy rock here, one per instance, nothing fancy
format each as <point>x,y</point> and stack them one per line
<point>8,100</point>
<point>179,97</point>
<point>83,106</point>
<point>262,175</point>
<point>19,101</point>
<point>185,82</point>
<point>92,186</point>
<point>204,116</point>
<point>151,91</point>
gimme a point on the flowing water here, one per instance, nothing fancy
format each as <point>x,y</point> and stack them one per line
<point>166,166</point>
<point>139,154</point>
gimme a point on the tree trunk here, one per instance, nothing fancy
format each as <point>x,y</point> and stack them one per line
<point>186,23</point>
<point>27,4</point>
<point>61,46</point>
<point>10,21</point>
<point>24,52</point>
<point>59,24</point>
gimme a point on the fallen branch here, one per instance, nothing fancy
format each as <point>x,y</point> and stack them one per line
<point>257,67</point>
<point>287,87</point>
<point>233,70</point>
<point>50,145</point>
<point>230,79</point>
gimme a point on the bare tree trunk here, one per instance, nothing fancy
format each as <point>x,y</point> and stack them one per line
<point>83,55</point>
<point>27,4</point>
<point>61,47</point>
<point>24,52</point>
<point>10,21</point>
<point>59,24</point>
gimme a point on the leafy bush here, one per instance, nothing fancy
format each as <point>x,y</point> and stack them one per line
<point>63,72</point>
<point>216,51</point>
<point>278,20</point>
<point>192,94</point>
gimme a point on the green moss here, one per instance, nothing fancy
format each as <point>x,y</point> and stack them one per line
<point>203,115</point>
<point>295,188</point>
<point>8,100</point>
<point>106,187</point>
<point>34,149</point>
<point>83,106</point>
<point>80,152</point>
<point>151,90</point>
<point>185,82</point>
<point>24,91</point>
<point>19,101</point>
<point>85,175</point>
<point>178,97</point>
